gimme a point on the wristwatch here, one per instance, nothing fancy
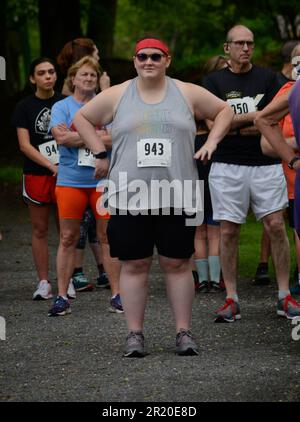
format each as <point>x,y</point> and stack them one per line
<point>292,162</point>
<point>102,155</point>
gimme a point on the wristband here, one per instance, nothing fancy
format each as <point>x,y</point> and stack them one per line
<point>292,162</point>
<point>101,155</point>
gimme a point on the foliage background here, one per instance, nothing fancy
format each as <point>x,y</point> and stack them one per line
<point>195,30</point>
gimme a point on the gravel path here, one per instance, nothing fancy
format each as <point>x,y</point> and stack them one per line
<point>78,357</point>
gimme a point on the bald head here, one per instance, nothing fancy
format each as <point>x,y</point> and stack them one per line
<point>236,30</point>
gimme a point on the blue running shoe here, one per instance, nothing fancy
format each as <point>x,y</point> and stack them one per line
<point>60,307</point>
<point>102,281</point>
<point>116,305</point>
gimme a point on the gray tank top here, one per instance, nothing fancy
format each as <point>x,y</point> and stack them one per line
<point>152,163</point>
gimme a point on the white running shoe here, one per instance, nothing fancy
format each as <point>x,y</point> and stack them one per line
<point>71,290</point>
<point>43,291</point>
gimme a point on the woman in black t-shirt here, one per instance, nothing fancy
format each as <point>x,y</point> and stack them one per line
<point>31,119</point>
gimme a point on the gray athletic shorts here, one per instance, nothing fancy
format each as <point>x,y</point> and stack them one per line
<point>235,188</point>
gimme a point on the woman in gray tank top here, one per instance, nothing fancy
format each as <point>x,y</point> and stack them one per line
<point>153,182</point>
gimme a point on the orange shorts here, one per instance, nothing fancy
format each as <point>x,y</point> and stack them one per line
<point>72,203</point>
<point>39,190</point>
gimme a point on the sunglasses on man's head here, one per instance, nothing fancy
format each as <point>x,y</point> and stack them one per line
<point>155,57</point>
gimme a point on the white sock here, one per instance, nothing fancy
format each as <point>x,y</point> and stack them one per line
<point>234,297</point>
<point>283,293</point>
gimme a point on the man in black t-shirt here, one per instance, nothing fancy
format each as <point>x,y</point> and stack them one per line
<point>241,176</point>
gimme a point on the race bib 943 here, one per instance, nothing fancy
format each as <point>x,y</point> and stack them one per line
<point>154,152</point>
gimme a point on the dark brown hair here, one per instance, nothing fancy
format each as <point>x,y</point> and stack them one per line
<point>74,51</point>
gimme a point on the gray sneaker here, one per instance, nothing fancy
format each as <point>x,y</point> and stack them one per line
<point>288,307</point>
<point>135,345</point>
<point>185,343</point>
<point>230,312</point>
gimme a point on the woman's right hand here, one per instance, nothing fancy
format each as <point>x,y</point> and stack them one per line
<point>54,169</point>
<point>104,81</point>
<point>101,168</point>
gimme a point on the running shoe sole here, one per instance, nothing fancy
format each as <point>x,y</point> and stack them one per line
<point>286,315</point>
<point>134,354</point>
<point>115,311</point>
<point>39,297</point>
<point>220,319</point>
<point>190,351</point>
<point>87,288</point>
<point>63,313</point>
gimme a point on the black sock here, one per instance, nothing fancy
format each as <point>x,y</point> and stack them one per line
<point>77,270</point>
<point>100,269</point>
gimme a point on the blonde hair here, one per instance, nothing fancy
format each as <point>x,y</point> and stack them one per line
<point>87,60</point>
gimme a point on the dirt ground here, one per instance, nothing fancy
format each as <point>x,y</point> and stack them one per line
<point>78,357</point>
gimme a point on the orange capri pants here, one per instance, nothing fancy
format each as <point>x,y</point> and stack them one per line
<point>72,203</point>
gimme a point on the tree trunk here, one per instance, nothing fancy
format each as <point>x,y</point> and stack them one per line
<point>102,15</point>
<point>59,23</point>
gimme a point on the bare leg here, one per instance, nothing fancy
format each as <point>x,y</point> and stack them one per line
<point>69,235</point>
<point>265,246</point>
<point>180,289</point>
<point>39,216</point>
<point>274,224</point>
<point>133,290</point>
<point>78,258</point>
<point>229,240</point>
<point>111,265</point>
<point>200,243</point>
<point>96,249</point>
<point>213,236</point>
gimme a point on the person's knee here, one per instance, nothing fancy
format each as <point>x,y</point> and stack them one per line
<point>229,231</point>
<point>138,266</point>
<point>174,265</point>
<point>68,239</point>
<point>40,232</point>
<point>275,227</point>
<point>102,236</point>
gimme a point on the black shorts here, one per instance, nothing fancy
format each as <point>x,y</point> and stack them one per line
<point>134,237</point>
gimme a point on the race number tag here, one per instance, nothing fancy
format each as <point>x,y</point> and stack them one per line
<point>50,151</point>
<point>242,105</point>
<point>154,153</point>
<point>86,157</point>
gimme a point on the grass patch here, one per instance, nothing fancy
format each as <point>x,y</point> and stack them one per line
<point>10,174</point>
<point>249,249</point>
